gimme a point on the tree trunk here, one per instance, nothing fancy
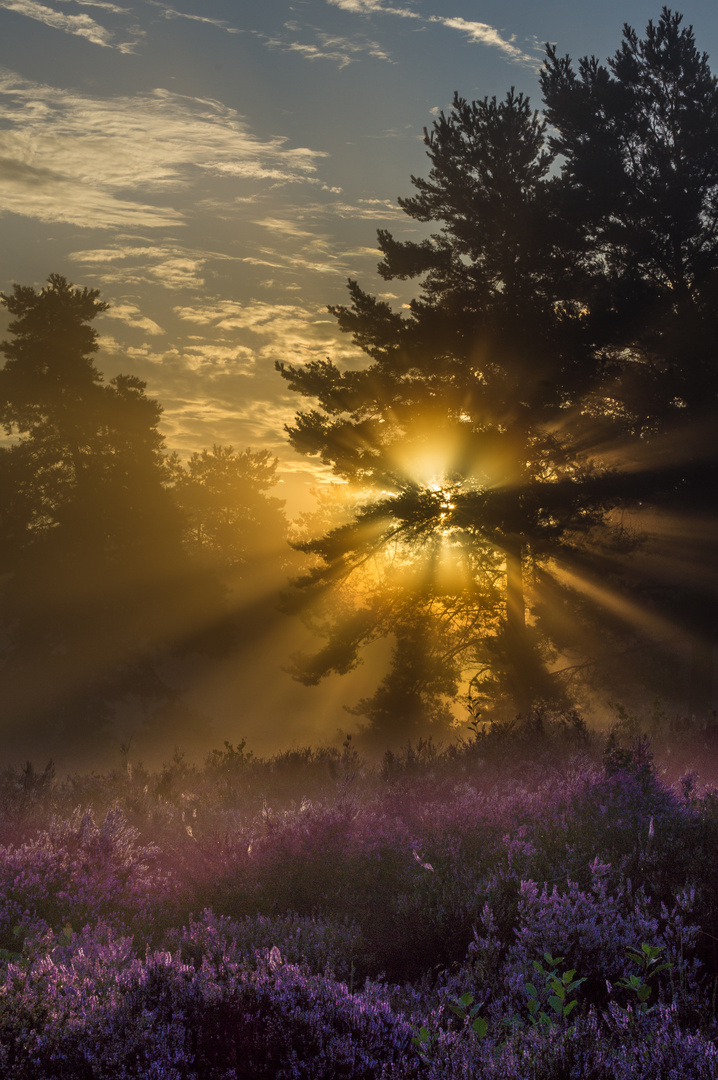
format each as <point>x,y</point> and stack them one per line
<point>518,651</point>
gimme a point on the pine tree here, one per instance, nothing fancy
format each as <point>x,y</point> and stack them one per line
<point>465,428</point>
<point>95,580</point>
<point>566,319</point>
<point>638,143</point>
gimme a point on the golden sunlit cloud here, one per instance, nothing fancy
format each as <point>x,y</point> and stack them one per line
<point>73,158</point>
<point>172,266</point>
<point>80,25</point>
<point>132,316</point>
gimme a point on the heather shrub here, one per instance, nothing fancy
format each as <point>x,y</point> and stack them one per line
<point>593,1047</point>
<point>321,945</point>
<point>445,873</point>
<point>109,1018</point>
<point>76,872</point>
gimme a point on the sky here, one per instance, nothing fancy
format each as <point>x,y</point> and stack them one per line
<point>219,168</point>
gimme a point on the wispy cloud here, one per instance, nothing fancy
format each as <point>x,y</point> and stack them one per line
<point>101,4</point>
<point>483,34</point>
<point>272,330</point>
<point>334,48</point>
<point>478,32</point>
<point>119,162</point>
<point>369,7</point>
<point>131,263</point>
<point>80,25</point>
<point>132,316</point>
<point>172,13</point>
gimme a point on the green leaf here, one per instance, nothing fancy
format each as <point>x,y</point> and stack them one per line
<point>556,1004</point>
<point>480,1027</point>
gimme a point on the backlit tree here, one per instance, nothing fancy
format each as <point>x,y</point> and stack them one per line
<point>566,309</point>
<point>463,428</point>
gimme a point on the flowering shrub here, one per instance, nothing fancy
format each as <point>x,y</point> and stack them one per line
<point>76,872</point>
<point>99,1013</point>
<point>440,915</point>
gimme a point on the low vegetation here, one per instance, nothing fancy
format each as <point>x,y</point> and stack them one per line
<point>534,901</point>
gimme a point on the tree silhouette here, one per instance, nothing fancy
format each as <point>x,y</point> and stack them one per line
<point>94,575</point>
<point>638,142</point>
<point>230,518</point>
<point>466,425</point>
<point>551,323</point>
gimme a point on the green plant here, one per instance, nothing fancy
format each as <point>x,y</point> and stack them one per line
<point>467,1011</point>
<point>424,1040</point>
<point>647,958</point>
<point>555,990</point>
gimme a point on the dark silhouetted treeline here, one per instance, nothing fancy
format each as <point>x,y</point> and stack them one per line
<point>114,557</point>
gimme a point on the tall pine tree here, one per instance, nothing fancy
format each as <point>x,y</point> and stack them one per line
<point>638,144</point>
<point>466,425</point>
<point>560,345</point>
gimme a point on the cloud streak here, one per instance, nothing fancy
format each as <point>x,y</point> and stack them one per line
<point>128,161</point>
<point>339,50</point>
<point>79,25</point>
<point>130,263</point>
<point>172,13</point>
<point>477,32</point>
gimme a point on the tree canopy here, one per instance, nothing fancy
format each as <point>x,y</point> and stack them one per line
<point>103,537</point>
<point>565,308</point>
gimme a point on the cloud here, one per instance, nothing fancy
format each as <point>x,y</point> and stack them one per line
<point>209,359</point>
<point>120,162</point>
<point>132,316</point>
<point>370,209</point>
<point>171,266</point>
<point>274,331</point>
<point>339,50</point>
<point>82,25</point>
<point>477,32</point>
<point>366,7</point>
<point>172,13</point>
<point>257,316</point>
<point>101,4</point>
<point>483,34</point>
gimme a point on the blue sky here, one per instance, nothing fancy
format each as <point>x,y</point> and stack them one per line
<point>218,168</point>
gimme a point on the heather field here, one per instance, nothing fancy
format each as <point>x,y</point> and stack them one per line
<point>532,901</point>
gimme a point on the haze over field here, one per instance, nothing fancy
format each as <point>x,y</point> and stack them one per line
<point>218,171</point>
